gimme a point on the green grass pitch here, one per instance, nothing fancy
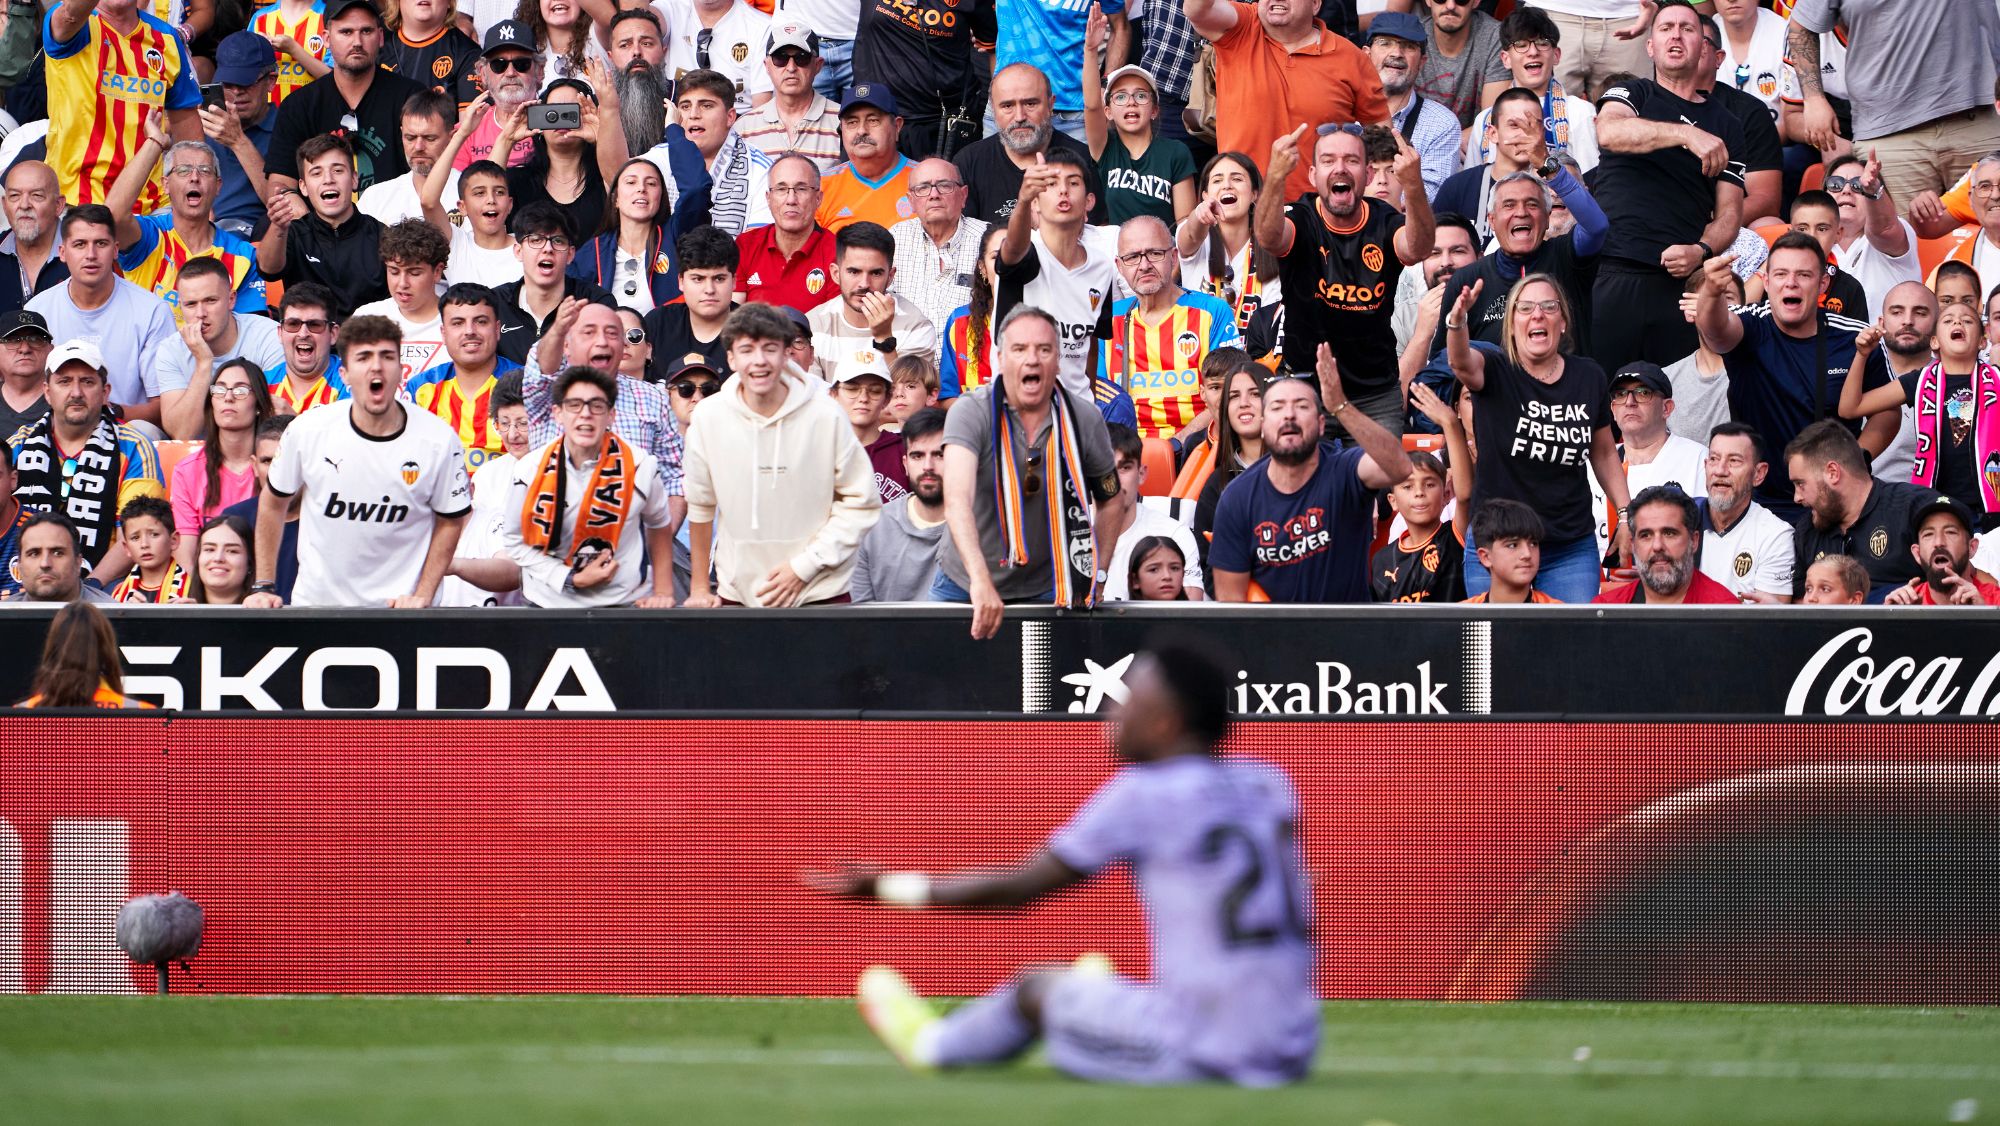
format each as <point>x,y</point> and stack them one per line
<point>720,1060</point>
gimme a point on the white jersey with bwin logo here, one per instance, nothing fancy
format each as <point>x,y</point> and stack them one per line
<point>370,503</point>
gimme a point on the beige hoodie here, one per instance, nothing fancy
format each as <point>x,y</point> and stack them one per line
<point>794,488</point>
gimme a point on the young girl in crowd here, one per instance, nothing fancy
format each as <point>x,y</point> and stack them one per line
<point>563,35</point>
<point>1198,458</point>
<point>224,470</point>
<point>1958,423</point>
<point>966,360</point>
<point>1157,571</point>
<point>223,562</point>
<point>1836,580</point>
<point>1218,256</point>
<point>1142,173</point>
<point>633,253</point>
<point>1239,444</point>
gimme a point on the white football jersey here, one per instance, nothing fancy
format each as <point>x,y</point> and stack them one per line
<point>370,503</point>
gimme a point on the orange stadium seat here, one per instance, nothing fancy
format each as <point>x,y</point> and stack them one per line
<point>1158,458</point>
<point>1931,252</point>
<point>171,453</point>
<point>1814,178</point>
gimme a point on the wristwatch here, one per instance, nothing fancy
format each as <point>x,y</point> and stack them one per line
<point>1549,169</point>
<point>264,586</point>
<point>886,344</point>
<point>1707,251</point>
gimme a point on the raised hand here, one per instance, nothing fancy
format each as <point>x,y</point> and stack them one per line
<point>1468,299</point>
<point>1284,155</point>
<point>1433,408</point>
<point>1035,180</point>
<point>1716,271</point>
<point>1866,340</point>
<point>1096,31</point>
<point>1408,167</point>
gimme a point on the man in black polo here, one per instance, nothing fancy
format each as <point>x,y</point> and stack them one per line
<point>1671,182</point>
<point>358,100</point>
<point>1339,255</point>
<point>1849,512</point>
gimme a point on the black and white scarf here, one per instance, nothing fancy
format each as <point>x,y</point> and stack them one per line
<point>83,488</point>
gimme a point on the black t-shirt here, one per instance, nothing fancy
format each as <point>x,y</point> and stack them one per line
<point>1340,290</point>
<point>447,64</point>
<point>1957,475</point>
<point>529,184</point>
<point>920,49</point>
<point>376,134</point>
<point>670,331</point>
<point>1432,571</point>
<point>1534,442</point>
<point>1557,258</point>
<point>1762,150</point>
<point>993,182</point>
<point>1844,295</point>
<point>1880,538</point>
<point>12,420</point>
<point>518,328</point>
<point>1660,199</point>
<point>1771,387</point>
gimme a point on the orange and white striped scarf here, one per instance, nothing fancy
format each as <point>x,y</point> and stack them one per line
<point>1072,548</point>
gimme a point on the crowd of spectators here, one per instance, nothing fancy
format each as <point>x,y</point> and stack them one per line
<point>796,302</point>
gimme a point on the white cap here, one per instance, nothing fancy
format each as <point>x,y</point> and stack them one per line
<point>863,361</point>
<point>76,351</point>
<point>1132,69</point>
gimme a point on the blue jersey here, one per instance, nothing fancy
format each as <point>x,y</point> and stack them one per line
<point>1308,546</point>
<point>1049,35</point>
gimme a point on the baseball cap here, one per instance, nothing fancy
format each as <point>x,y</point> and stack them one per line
<point>689,364</point>
<point>335,7</point>
<point>509,33</point>
<point>792,33</point>
<point>1646,375</point>
<point>860,362</point>
<point>1959,510</point>
<point>24,322</point>
<point>799,320</point>
<point>243,57</point>
<point>870,94</point>
<point>1131,70</point>
<point>76,351</point>
<point>1398,25</point>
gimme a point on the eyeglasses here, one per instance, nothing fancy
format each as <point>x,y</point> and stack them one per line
<point>586,406</point>
<point>219,393</point>
<point>1986,187</point>
<point>1532,45</point>
<point>1455,3</point>
<point>789,191</point>
<point>703,40</point>
<point>1635,395</point>
<point>519,64</point>
<point>936,187</point>
<point>512,425</point>
<point>688,388</point>
<point>1132,98</point>
<point>635,336</point>
<point>1550,307</point>
<point>546,242</point>
<point>1155,255</point>
<point>295,324</point>
<point>191,170</point>
<point>792,58</point>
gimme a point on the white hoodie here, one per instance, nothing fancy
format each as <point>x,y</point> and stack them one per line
<point>796,488</point>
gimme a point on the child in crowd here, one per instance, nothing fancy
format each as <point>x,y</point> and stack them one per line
<point>1957,417</point>
<point>1836,580</point>
<point>1158,571</point>
<point>913,385</point>
<point>1426,563</point>
<point>482,248</point>
<point>1143,173</point>
<point>146,528</point>
<point>1508,536</point>
<point>861,387</point>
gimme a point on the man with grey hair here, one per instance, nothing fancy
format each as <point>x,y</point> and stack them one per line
<point>991,168</point>
<point>1518,243</point>
<point>1162,334</point>
<point>34,202</point>
<point>1013,447</point>
<point>937,249</point>
<point>152,247</point>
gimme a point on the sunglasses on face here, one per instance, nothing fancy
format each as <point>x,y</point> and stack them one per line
<point>688,388</point>
<point>791,58</point>
<point>1842,183</point>
<point>519,64</point>
<point>295,324</point>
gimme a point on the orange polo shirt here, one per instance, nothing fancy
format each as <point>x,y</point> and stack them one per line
<point>1264,92</point>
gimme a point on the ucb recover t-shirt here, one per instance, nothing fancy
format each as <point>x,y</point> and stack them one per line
<point>1340,290</point>
<point>370,503</point>
<point>1308,546</point>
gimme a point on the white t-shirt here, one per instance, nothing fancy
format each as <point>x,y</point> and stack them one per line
<point>543,573</point>
<point>838,19</point>
<point>736,50</point>
<point>1985,259</point>
<point>1680,462</point>
<point>1755,556</point>
<point>471,262</point>
<point>1194,277</point>
<point>1760,72</point>
<point>256,341</point>
<point>481,537</point>
<point>1582,135</point>
<point>370,503</point>
<point>834,338</point>
<point>1149,522</point>
<point>1073,298</point>
<point>423,342</point>
<point>392,201</point>
<point>1877,272</point>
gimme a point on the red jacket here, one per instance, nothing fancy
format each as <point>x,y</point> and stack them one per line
<point>1703,591</point>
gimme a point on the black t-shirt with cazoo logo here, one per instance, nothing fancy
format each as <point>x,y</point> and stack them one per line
<point>1340,290</point>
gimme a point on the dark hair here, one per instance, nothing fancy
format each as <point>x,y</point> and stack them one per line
<point>204,267</point>
<point>1227,444</point>
<point>979,308</point>
<point>366,330</point>
<point>1734,429</point>
<point>923,424</point>
<point>1200,690</point>
<point>6,457</point>
<point>1458,222</point>
<point>583,373</point>
<point>274,426</point>
<point>1378,143</point>
<point>1515,94</point>
<point>530,12</point>
<point>1145,547</point>
<point>1952,267</point>
<point>1525,23</point>
<point>541,218</point>
<point>312,295</point>
<point>1669,496</point>
<point>757,321</point>
<point>864,236</point>
<point>1125,442</point>
<point>1262,262</point>
<point>507,392</point>
<point>1424,461</point>
<point>414,242</point>
<point>262,408</point>
<point>1813,197</point>
<point>1502,519</point>
<point>1707,22</point>
<point>37,517</point>
<point>1828,440</point>
<point>470,293</point>
<point>1798,240</point>
<point>662,211</point>
<point>95,214</point>
<point>430,103</point>
<point>139,508</point>
<point>486,167</point>
<point>1066,158</point>
<point>312,148</point>
<point>197,589</point>
<point>79,653</point>
<point>707,247</point>
<point>624,14</point>
<point>714,82</point>
<point>1842,161</point>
